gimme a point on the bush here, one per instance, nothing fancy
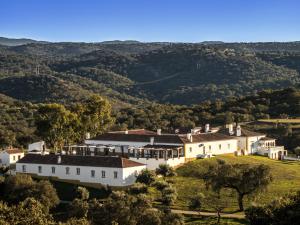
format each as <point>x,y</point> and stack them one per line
<point>138,188</point>
<point>146,177</point>
<point>165,170</point>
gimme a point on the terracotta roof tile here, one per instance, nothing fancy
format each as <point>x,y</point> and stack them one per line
<point>13,151</point>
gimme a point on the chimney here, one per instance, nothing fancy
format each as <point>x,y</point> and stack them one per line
<point>230,129</point>
<point>238,131</point>
<point>206,128</point>
<point>59,159</point>
<point>152,141</point>
<point>87,135</point>
<point>126,132</point>
<point>189,137</point>
<point>158,131</point>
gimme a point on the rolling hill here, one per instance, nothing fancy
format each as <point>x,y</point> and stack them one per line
<point>133,72</point>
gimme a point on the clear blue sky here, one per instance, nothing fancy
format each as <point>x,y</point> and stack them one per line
<point>151,20</point>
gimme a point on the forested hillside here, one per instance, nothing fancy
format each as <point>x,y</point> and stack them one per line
<point>132,72</point>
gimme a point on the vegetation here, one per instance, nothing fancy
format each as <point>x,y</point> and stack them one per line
<point>129,71</point>
<point>284,210</point>
<point>286,179</point>
<point>245,179</point>
<point>59,126</point>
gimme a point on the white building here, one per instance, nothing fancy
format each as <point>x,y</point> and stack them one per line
<point>38,148</point>
<point>250,142</point>
<point>10,156</point>
<point>155,149</point>
<point>112,171</point>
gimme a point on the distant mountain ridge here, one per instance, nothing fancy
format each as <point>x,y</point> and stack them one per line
<point>17,41</point>
<point>134,72</point>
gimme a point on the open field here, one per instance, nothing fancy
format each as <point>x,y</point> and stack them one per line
<point>286,179</point>
<point>279,120</point>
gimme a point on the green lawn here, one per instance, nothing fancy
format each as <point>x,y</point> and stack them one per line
<point>286,179</point>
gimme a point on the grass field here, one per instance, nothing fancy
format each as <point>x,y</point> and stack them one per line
<point>280,120</point>
<point>286,179</point>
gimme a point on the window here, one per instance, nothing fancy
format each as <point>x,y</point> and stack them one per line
<point>209,147</point>
<point>14,157</point>
<point>53,169</point>
<point>24,168</point>
<point>77,171</point>
<point>220,146</point>
<point>67,170</point>
<point>40,169</point>
<point>191,149</point>
<point>115,174</point>
<point>103,174</point>
<point>203,149</point>
<point>19,157</point>
<point>228,146</point>
<point>92,173</point>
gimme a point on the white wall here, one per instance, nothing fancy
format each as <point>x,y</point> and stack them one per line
<point>153,163</point>
<point>249,144</point>
<point>193,150</point>
<point>126,176</point>
<point>8,159</point>
<point>36,146</point>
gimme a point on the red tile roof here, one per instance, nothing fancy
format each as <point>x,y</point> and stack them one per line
<point>12,151</point>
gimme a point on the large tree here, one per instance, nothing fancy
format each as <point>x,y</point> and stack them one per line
<point>245,179</point>
<point>56,125</point>
<point>94,115</point>
<point>18,188</point>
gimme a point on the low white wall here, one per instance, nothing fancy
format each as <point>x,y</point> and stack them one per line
<point>152,163</point>
<point>126,176</point>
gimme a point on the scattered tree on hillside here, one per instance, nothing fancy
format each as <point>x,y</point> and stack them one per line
<point>245,179</point>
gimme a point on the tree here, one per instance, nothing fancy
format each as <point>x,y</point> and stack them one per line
<point>29,211</point>
<point>169,195</point>
<point>138,188</point>
<point>18,188</point>
<point>79,207</point>
<point>245,179</point>
<point>146,177</point>
<point>56,125</point>
<point>214,200</point>
<point>94,115</point>
<point>82,193</point>
<point>281,211</point>
<point>297,151</point>
<point>196,202</point>
<point>165,170</point>
<point>121,208</point>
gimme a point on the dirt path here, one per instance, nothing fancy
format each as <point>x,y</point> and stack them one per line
<point>224,215</point>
